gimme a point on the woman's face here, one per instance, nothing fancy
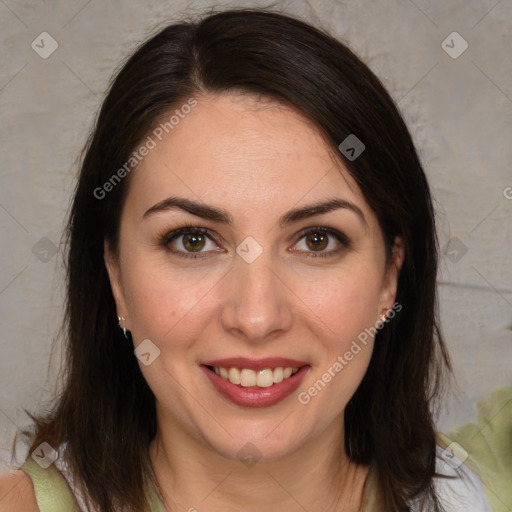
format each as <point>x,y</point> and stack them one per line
<point>260,291</point>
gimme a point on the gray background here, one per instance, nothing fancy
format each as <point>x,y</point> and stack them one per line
<point>458,109</point>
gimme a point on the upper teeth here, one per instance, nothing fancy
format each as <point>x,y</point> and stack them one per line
<point>261,378</point>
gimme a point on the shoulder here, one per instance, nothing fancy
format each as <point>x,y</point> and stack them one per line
<point>17,493</point>
<point>458,487</point>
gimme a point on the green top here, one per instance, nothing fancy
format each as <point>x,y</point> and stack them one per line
<point>53,493</point>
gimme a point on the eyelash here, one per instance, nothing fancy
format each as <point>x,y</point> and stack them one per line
<point>166,238</point>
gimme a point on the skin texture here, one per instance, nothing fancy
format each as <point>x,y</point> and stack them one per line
<point>17,493</point>
<point>257,160</point>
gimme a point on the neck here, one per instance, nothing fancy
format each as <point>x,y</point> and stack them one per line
<point>317,476</point>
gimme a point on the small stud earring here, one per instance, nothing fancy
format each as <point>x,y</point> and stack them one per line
<point>119,318</point>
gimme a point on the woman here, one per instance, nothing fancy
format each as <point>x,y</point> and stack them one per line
<point>251,309</point>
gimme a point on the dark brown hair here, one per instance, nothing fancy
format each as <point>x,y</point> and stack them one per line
<point>106,410</point>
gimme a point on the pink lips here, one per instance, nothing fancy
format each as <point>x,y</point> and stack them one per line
<point>255,396</point>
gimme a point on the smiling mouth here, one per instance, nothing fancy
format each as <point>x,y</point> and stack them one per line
<point>246,377</point>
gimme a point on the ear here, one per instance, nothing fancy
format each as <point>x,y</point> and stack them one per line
<point>390,284</point>
<point>114,274</point>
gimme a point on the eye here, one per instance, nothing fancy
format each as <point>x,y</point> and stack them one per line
<point>319,238</point>
<point>192,241</point>
<point>188,241</point>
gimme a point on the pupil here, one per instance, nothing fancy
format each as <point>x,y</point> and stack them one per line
<point>194,240</point>
<point>319,240</point>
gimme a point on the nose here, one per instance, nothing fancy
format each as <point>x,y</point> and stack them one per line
<point>256,299</point>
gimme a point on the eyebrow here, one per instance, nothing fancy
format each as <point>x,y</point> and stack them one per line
<point>222,216</point>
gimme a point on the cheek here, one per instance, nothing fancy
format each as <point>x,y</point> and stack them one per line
<point>345,316</point>
<point>159,299</point>
<point>346,303</point>
<point>166,302</point>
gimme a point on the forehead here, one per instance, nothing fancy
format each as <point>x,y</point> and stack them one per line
<point>245,151</point>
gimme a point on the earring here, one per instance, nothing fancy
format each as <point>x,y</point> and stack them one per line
<point>119,318</point>
<point>384,318</point>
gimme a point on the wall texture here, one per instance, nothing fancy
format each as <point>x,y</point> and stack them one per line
<point>456,100</point>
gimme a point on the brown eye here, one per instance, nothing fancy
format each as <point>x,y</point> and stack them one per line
<point>189,242</point>
<point>316,240</point>
<point>193,242</point>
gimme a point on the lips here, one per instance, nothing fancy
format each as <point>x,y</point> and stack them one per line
<point>239,387</point>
